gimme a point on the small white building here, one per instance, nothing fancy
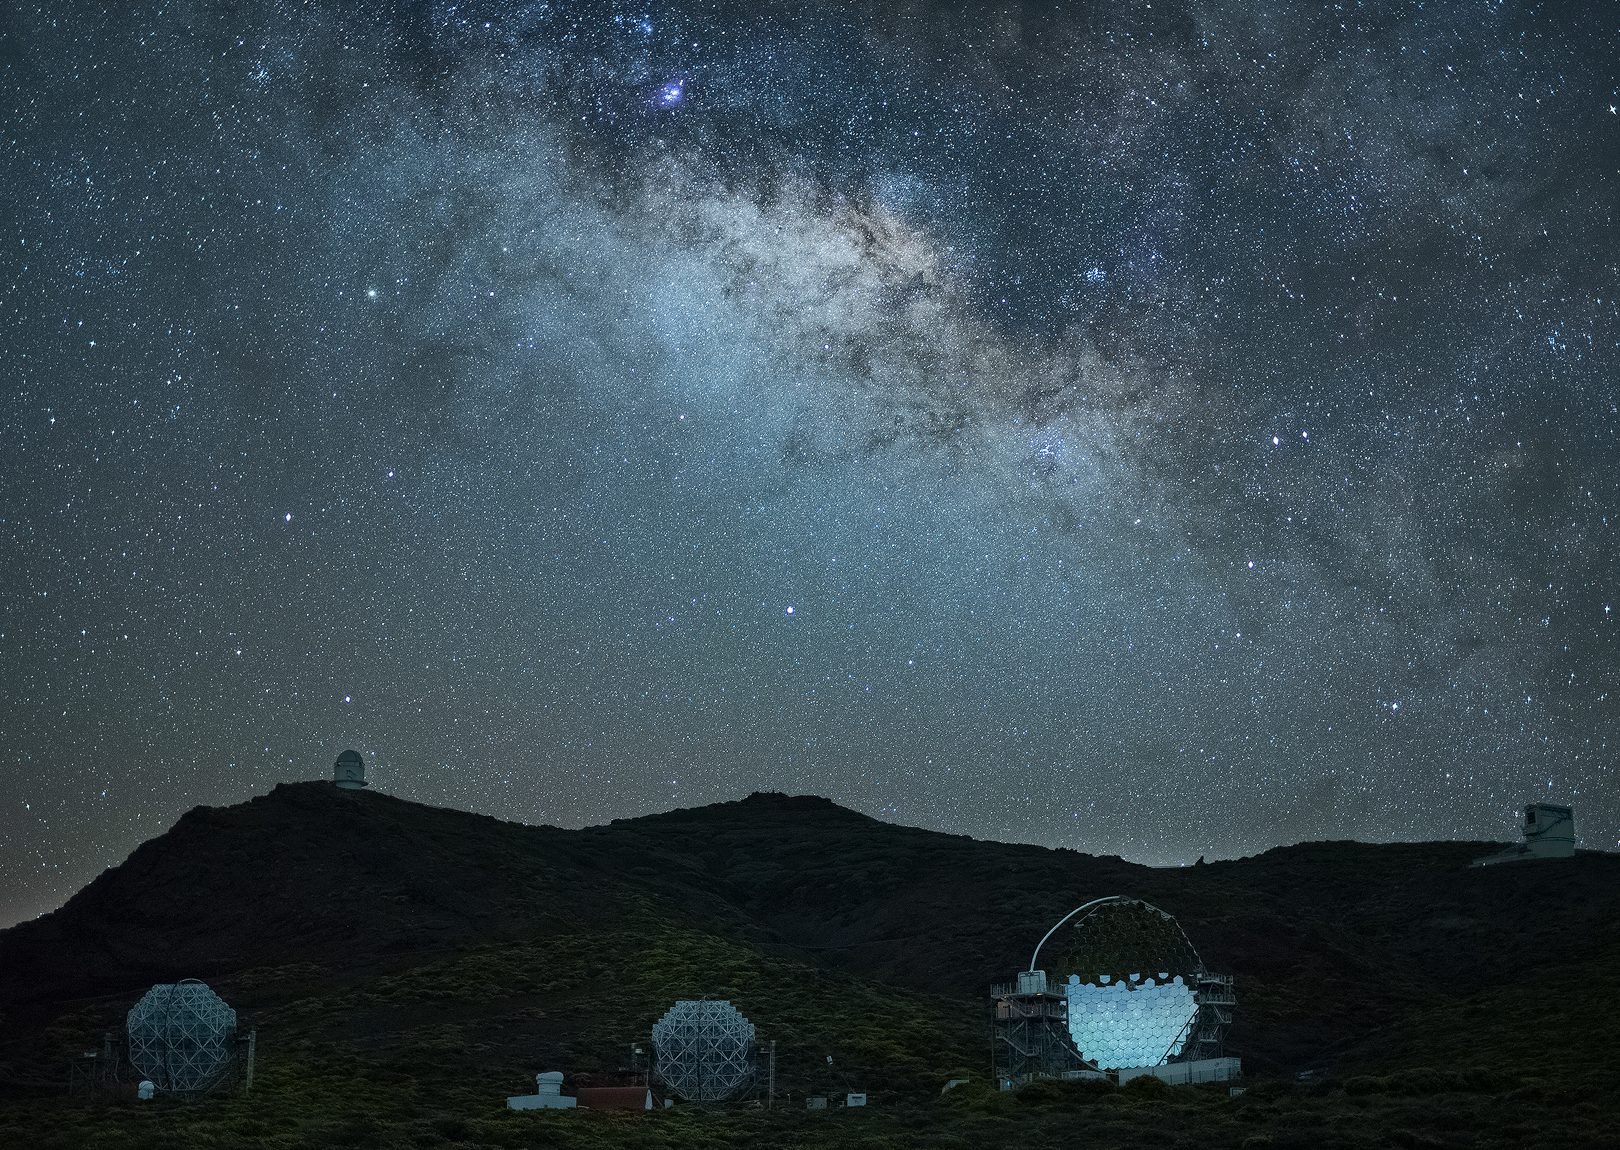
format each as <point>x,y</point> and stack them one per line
<point>349,772</point>
<point>547,1094</point>
<point>1548,832</point>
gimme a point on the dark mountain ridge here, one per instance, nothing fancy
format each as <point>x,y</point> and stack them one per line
<point>355,921</point>
<point>309,873</point>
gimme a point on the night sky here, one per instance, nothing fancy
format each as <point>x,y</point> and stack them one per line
<point>1165,429</point>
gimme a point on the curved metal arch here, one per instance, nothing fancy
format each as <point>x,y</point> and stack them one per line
<point>1116,898</point>
<point>1083,906</point>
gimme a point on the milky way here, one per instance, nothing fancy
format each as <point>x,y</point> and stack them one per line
<point>1168,431</point>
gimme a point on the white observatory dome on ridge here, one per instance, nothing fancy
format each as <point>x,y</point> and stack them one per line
<point>349,772</point>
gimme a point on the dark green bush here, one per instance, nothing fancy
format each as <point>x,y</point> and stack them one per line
<point>454,1129</point>
<point>1054,1093</point>
<point>1044,1093</point>
<point>1147,1086</point>
<point>1363,1084</point>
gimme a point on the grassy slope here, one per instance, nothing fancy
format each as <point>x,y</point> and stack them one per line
<point>423,1056</point>
<point>1433,1042</point>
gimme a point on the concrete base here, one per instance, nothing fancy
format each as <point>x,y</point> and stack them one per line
<point>1186,1073</point>
<point>541,1102</point>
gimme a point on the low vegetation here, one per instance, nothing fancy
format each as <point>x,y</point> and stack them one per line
<point>407,1028</point>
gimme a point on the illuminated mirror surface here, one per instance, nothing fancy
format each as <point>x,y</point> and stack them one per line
<point>1118,1023</point>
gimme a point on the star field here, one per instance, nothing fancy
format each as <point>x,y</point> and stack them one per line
<point>1164,430</point>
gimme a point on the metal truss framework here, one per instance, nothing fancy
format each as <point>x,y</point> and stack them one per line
<point>182,1036</point>
<point>1129,990</point>
<point>1030,1037</point>
<point>704,1050</point>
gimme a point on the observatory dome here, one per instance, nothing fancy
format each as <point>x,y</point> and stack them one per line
<point>349,772</point>
<point>181,1037</point>
<point>704,1050</point>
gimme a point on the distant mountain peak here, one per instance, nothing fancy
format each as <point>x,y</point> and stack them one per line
<point>760,805</point>
<point>778,800</point>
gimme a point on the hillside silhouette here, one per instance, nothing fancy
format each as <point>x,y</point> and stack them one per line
<point>463,953</point>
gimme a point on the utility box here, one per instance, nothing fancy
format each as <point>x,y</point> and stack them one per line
<point>1032,982</point>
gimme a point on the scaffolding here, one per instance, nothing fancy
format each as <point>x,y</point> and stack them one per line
<point>1030,1034</point>
<point>98,1071</point>
<point>1216,998</point>
<point>108,1070</point>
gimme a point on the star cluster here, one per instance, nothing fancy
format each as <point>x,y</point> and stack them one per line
<point>1167,430</point>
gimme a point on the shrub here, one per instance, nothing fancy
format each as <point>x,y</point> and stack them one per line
<point>1424,1081</point>
<point>1051,1092</point>
<point>1147,1086</point>
<point>1363,1084</point>
<point>453,1128</point>
<point>1042,1093</point>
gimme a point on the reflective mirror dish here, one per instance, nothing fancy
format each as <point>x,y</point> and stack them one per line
<point>1130,978</point>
